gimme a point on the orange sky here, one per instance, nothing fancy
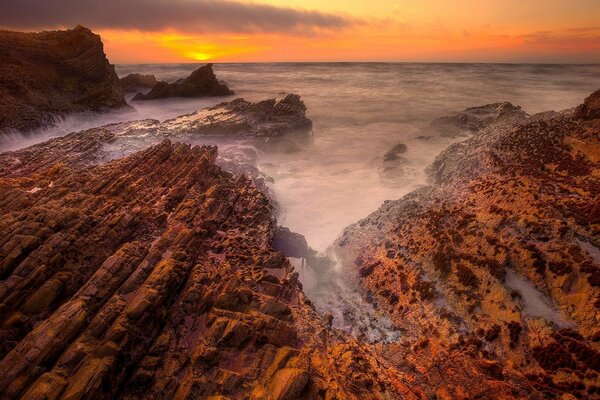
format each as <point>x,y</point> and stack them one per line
<point>376,30</point>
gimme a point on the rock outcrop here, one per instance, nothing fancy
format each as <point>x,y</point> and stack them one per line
<point>202,82</point>
<point>136,82</point>
<point>154,276</point>
<point>239,119</point>
<point>475,119</point>
<point>49,74</point>
<point>495,267</point>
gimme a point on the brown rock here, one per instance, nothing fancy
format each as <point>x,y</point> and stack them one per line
<point>46,75</point>
<point>288,384</point>
<point>590,109</point>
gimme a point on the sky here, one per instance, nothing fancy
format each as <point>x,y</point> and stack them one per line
<point>152,31</point>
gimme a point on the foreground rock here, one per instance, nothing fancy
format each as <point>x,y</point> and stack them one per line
<point>202,82</point>
<point>495,268</point>
<point>154,276</point>
<point>136,82</point>
<point>49,74</point>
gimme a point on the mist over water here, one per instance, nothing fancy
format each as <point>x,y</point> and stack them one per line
<point>359,111</point>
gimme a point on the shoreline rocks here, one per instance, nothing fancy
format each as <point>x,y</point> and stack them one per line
<point>496,263</point>
<point>202,82</point>
<point>153,276</point>
<point>45,75</point>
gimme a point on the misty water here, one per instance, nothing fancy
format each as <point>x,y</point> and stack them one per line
<point>359,111</point>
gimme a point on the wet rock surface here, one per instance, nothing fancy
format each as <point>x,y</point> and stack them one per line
<point>46,75</point>
<point>474,119</point>
<point>133,83</point>
<point>494,267</point>
<point>153,276</point>
<point>202,82</point>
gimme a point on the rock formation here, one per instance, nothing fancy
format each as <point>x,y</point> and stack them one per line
<point>153,276</point>
<point>496,266</point>
<point>474,119</point>
<point>49,74</point>
<point>202,82</point>
<point>136,82</point>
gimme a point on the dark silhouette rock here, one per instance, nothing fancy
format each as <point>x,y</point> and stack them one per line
<point>137,82</point>
<point>46,75</point>
<point>202,82</point>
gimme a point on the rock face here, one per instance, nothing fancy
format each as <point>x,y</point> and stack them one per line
<point>202,82</point>
<point>154,276</point>
<point>590,109</point>
<point>137,82</point>
<point>496,266</point>
<point>48,74</point>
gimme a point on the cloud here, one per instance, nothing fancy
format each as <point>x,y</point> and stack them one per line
<point>194,16</point>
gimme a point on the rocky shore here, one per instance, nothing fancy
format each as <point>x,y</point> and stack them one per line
<point>154,276</point>
<point>496,265</point>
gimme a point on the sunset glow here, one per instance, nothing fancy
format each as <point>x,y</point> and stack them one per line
<point>385,30</point>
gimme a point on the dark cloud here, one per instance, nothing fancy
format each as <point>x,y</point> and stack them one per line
<point>200,16</point>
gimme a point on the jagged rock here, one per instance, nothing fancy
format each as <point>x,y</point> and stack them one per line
<point>497,262</point>
<point>474,119</point>
<point>202,82</point>
<point>137,82</point>
<point>146,277</point>
<point>49,74</point>
<point>590,109</point>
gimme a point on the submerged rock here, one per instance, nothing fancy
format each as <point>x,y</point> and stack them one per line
<point>137,82</point>
<point>202,82</point>
<point>393,153</point>
<point>494,264</point>
<point>46,75</point>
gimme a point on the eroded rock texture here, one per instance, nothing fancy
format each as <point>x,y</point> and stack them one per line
<point>495,268</point>
<point>48,74</point>
<point>153,276</point>
<point>202,82</point>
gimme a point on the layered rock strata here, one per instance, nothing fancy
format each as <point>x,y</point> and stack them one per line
<point>46,75</point>
<point>153,276</point>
